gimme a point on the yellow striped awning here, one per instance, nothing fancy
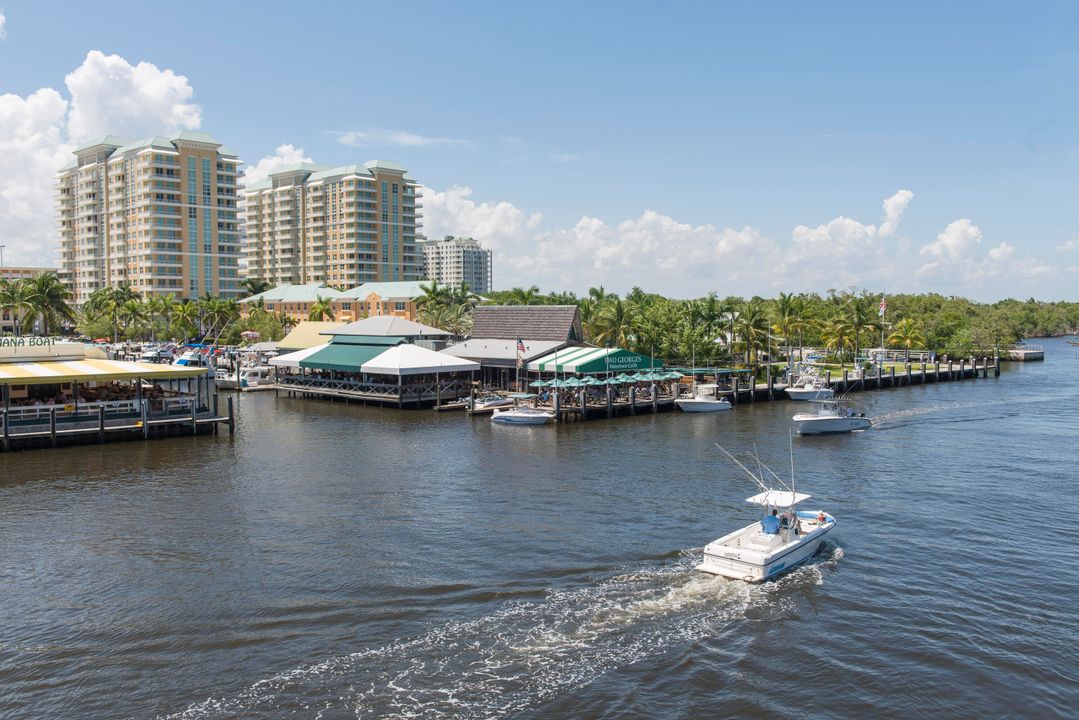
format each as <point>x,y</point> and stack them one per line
<point>92,370</point>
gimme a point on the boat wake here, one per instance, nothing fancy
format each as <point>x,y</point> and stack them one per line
<point>526,652</point>
<point>960,412</point>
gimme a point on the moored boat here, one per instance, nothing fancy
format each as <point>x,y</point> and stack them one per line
<point>810,387</point>
<point>521,416</point>
<point>487,403</point>
<point>703,399</point>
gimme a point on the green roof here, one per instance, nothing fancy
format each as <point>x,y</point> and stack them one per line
<point>195,136</point>
<point>296,167</point>
<point>386,340</point>
<point>157,141</point>
<point>387,290</point>
<point>383,165</point>
<point>345,357</point>
<point>113,140</point>
<point>295,293</point>
<point>340,171</point>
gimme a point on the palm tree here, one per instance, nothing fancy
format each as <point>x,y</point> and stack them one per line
<point>130,313</point>
<point>16,298</point>
<point>906,335</point>
<point>862,316</point>
<point>614,321</point>
<point>49,299</point>
<point>784,319</point>
<point>168,309</point>
<point>154,307</point>
<point>751,326</point>
<point>433,294</point>
<point>255,286</point>
<point>838,335</point>
<point>525,296</point>
<point>321,309</point>
<point>187,317</point>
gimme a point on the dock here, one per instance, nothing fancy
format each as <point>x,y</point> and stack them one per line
<point>738,391</point>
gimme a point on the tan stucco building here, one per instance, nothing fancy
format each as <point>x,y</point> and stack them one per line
<point>342,226</point>
<point>159,214</point>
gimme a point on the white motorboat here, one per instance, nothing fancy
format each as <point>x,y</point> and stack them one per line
<point>773,545</point>
<point>522,416</point>
<point>487,403</point>
<point>703,399</point>
<point>251,377</point>
<point>830,417</point>
<point>192,358</point>
<point>810,387</point>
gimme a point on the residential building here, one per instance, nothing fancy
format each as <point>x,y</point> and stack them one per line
<point>159,214</point>
<point>456,260</point>
<point>293,301</point>
<point>343,226</point>
<point>23,273</point>
<point>375,299</point>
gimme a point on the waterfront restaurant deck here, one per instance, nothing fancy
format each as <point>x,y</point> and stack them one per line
<point>59,393</point>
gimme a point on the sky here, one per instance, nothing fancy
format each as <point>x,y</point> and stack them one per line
<point>677,146</point>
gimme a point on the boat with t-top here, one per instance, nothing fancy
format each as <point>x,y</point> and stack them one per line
<point>828,417</point>
<point>783,538</point>
<point>810,386</point>
<point>521,415</point>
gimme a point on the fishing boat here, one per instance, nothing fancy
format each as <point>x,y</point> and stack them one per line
<point>810,387</point>
<point>192,358</point>
<point>487,403</point>
<point>703,399</point>
<point>521,416</point>
<point>782,539</point>
<point>829,416</point>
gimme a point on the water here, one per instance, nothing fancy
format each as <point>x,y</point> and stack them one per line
<point>337,561</point>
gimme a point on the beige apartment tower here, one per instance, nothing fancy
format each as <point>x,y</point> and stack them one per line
<point>455,261</point>
<point>159,214</point>
<point>342,226</point>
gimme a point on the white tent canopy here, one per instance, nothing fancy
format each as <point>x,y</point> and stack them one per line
<point>292,360</point>
<point>415,360</point>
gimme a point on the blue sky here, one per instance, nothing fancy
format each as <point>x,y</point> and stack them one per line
<point>676,146</point>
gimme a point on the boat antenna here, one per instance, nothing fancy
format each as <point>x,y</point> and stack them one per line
<point>742,466</point>
<point>790,437</point>
<point>759,463</point>
<point>777,478</point>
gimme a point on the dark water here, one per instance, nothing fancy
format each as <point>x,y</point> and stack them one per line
<point>339,562</point>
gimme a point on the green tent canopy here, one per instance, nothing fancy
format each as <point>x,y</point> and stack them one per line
<point>593,360</point>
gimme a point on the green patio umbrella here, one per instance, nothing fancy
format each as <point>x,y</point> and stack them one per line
<point>591,381</point>
<point>571,382</point>
<point>538,383</point>
<point>623,378</point>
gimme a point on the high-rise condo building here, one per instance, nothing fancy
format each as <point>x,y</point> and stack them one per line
<point>456,260</point>
<point>159,214</point>
<point>343,226</point>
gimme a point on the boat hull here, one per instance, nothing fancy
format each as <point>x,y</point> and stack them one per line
<point>748,566</point>
<point>810,393</point>
<point>695,406</point>
<point>816,425</point>
<point>512,418</point>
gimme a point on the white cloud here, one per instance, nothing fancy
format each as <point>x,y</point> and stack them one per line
<point>3,24</point>
<point>954,257</point>
<point>893,211</point>
<point>39,131</point>
<point>371,137</point>
<point>1072,244</point>
<point>284,155</point>
<point>453,212</point>
<point>563,158</point>
<point>111,96</point>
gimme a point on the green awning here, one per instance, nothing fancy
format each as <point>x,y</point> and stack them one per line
<point>383,340</point>
<point>346,356</point>
<point>593,360</point>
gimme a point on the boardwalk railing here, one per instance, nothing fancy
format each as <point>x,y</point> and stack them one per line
<point>429,391</point>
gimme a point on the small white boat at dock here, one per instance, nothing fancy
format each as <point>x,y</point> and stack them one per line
<point>487,403</point>
<point>522,416</point>
<point>810,387</point>
<point>773,545</point>
<point>252,377</point>
<point>703,399</point>
<point>830,417</point>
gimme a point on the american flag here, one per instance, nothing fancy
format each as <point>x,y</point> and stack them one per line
<point>883,307</point>
<point>520,345</point>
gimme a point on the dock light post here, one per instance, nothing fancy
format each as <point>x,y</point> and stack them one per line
<point>2,255</point>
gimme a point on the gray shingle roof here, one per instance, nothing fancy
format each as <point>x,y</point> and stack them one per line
<point>560,323</point>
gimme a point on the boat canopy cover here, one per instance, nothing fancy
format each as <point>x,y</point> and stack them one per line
<point>778,498</point>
